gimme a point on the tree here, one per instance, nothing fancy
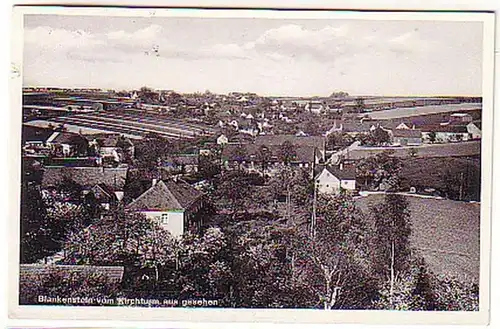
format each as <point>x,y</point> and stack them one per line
<point>151,151</point>
<point>260,264</point>
<point>451,294</point>
<point>412,152</point>
<point>264,157</point>
<point>201,268</point>
<point>392,246</point>
<point>75,285</point>
<point>240,154</point>
<point>126,239</point>
<point>287,152</point>
<point>338,140</point>
<point>35,233</point>
<point>432,137</point>
<point>380,136</point>
<point>381,171</point>
<point>233,190</point>
<point>360,105</point>
<point>332,261</point>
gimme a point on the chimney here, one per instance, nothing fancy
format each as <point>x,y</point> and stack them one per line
<point>341,165</point>
<point>155,180</point>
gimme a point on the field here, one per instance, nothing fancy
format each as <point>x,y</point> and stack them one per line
<point>423,110</point>
<point>446,233</point>
<point>133,123</point>
<point>471,148</point>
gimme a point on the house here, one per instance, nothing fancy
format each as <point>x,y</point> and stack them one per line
<point>173,204</point>
<point>250,157</point>
<point>406,137</point>
<point>187,163</point>
<point>474,129</point>
<point>354,128</point>
<point>222,140</point>
<point>67,144</point>
<point>332,179</point>
<point>112,145</point>
<point>460,118</point>
<point>446,133</point>
<point>314,142</point>
<point>35,136</point>
<point>315,107</point>
<point>87,178</point>
<point>104,195</point>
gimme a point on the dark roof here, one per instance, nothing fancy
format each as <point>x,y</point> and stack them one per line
<point>31,272</point>
<point>183,159</point>
<point>88,177</point>
<point>477,123</point>
<point>357,126</point>
<point>303,154</point>
<point>315,141</point>
<point>31,133</point>
<point>407,133</point>
<point>457,129</point>
<point>347,172</point>
<point>105,140</point>
<point>168,195</point>
<point>105,189</point>
<point>67,138</point>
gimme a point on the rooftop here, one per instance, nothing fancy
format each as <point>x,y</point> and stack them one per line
<point>348,172</point>
<point>166,195</point>
<point>85,176</point>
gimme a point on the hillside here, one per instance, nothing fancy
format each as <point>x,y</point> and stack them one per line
<point>445,231</point>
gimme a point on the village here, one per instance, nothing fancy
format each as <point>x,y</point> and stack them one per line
<point>111,178</point>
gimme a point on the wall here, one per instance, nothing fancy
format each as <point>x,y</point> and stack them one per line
<point>327,183</point>
<point>348,184</point>
<point>175,223</point>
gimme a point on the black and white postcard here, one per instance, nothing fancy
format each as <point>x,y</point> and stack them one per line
<point>251,165</point>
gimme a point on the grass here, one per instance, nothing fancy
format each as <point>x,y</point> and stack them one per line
<point>432,172</point>
<point>445,232</point>
<point>470,148</point>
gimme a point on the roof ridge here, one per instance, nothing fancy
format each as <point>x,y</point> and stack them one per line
<point>164,187</point>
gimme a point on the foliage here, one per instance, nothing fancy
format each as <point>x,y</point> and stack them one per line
<point>233,189</point>
<point>128,239</point>
<point>36,233</point>
<point>71,285</point>
<point>287,152</point>
<point>453,295</point>
<point>151,151</point>
<point>332,262</point>
<point>392,225</point>
<point>338,140</point>
<point>264,157</point>
<point>260,265</point>
<point>381,171</point>
<point>376,137</point>
<point>412,290</point>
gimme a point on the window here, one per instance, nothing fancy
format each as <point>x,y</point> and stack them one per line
<point>164,218</point>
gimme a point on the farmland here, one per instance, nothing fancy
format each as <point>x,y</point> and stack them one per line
<point>471,148</point>
<point>134,123</point>
<point>423,110</point>
<point>445,232</point>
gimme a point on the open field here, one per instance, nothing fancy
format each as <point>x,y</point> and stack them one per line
<point>470,148</point>
<point>446,233</point>
<point>422,110</point>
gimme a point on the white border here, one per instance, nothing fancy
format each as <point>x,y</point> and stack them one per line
<point>246,315</point>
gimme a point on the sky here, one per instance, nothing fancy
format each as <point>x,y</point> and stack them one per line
<point>280,57</point>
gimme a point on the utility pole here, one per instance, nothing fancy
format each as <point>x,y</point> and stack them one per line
<point>313,216</point>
